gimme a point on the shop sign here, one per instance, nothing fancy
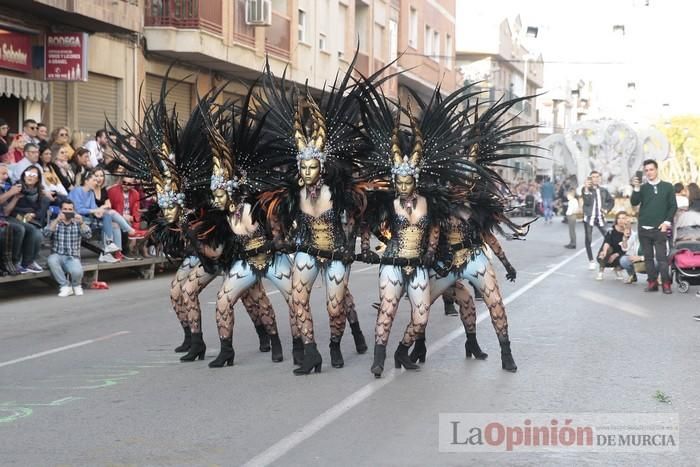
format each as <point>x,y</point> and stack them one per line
<point>66,56</point>
<point>15,51</point>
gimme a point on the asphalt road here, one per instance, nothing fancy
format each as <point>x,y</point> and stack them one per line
<point>94,380</point>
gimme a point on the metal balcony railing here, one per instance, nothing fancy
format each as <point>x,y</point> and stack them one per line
<point>185,14</point>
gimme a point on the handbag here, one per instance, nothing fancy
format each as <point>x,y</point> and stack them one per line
<point>639,267</point>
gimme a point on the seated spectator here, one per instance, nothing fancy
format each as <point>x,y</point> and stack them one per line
<point>681,196</point>
<point>52,184</point>
<point>28,135</point>
<point>61,167</point>
<point>97,147</point>
<point>126,201</point>
<point>31,157</point>
<point>101,198</point>
<point>28,210</point>
<point>4,145</point>
<point>42,133</point>
<point>77,139</point>
<point>79,164</point>
<point>84,199</point>
<point>611,251</point>
<point>60,136</point>
<point>11,235</point>
<point>65,233</point>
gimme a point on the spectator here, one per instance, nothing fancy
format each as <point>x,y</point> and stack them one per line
<point>126,201</point>
<point>97,147</point>
<point>59,136</point>
<point>28,210</point>
<point>4,145</point>
<point>631,248</point>
<point>101,198</point>
<point>693,197</point>
<point>31,157</point>
<point>42,133</point>
<point>65,233</point>
<point>611,251</point>
<point>571,212</point>
<point>52,183</point>
<point>77,139</point>
<point>28,135</point>
<point>79,165</point>
<point>596,204</point>
<point>681,195</point>
<point>61,167</point>
<point>657,206</point>
<point>547,193</point>
<point>11,235</point>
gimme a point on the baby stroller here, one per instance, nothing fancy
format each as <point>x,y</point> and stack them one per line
<point>685,263</point>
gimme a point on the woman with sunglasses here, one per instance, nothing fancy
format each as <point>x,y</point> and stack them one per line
<point>28,210</point>
<point>61,136</point>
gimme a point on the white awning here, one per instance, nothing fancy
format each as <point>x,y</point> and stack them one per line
<point>22,88</point>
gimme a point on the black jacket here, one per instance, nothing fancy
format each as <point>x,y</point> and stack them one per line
<point>606,201</point>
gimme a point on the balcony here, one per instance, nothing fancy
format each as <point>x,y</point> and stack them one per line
<point>278,35</point>
<point>362,63</point>
<point>241,31</point>
<point>185,14</point>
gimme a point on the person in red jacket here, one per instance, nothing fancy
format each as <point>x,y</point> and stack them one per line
<point>126,201</point>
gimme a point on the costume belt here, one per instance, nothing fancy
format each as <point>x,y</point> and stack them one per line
<point>339,255</point>
<point>392,261</point>
<point>264,248</point>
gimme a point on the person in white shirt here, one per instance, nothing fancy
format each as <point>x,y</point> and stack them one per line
<point>572,210</point>
<point>97,147</point>
<point>682,201</point>
<point>31,157</point>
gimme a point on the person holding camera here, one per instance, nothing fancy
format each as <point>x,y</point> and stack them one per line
<point>27,209</point>
<point>65,233</point>
<point>597,202</point>
<point>611,251</point>
<point>657,206</point>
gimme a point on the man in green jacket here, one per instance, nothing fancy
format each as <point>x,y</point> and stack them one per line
<point>657,205</point>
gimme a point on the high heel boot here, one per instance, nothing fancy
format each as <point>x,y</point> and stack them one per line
<point>186,343</point>
<point>471,347</point>
<point>297,350</point>
<point>197,349</point>
<point>379,357</point>
<point>277,355</point>
<point>263,337</point>
<point>226,354</point>
<point>401,358</point>
<point>336,355</point>
<point>419,351</point>
<point>507,362</point>
<point>312,360</point>
<point>358,337</point>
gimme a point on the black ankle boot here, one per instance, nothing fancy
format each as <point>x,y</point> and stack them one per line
<point>471,347</point>
<point>263,337</point>
<point>312,360</point>
<point>450,309</point>
<point>336,355</point>
<point>401,358</point>
<point>379,357</point>
<point>276,345</point>
<point>419,351</point>
<point>185,346</point>
<point>297,350</point>
<point>358,337</point>
<point>226,354</point>
<point>197,349</point>
<point>507,362</point>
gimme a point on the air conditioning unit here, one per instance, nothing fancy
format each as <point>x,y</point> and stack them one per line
<point>258,12</point>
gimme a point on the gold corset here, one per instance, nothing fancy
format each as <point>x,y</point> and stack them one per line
<point>410,239</point>
<point>258,261</point>
<point>455,236</point>
<point>321,235</point>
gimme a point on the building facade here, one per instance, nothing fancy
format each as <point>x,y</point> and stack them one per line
<point>493,56</point>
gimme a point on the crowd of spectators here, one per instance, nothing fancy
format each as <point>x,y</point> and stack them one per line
<point>59,188</point>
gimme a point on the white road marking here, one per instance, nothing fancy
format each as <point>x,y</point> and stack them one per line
<point>615,304</point>
<point>286,444</point>
<point>61,349</point>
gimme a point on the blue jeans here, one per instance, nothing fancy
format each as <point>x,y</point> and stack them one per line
<point>547,207</point>
<point>60,265</point>
<point>109,233</point>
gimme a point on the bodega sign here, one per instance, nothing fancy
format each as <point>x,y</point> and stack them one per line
<point>66,56</point>
<point>15,51</point>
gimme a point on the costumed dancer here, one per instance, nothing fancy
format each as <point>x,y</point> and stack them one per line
<point>316,144</point>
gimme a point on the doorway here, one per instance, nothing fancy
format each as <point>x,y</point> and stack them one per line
<point>9,110</point>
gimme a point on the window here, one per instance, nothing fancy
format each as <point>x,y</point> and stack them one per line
<point>322,42</point>
<point>342,20</point>
<point>379,43</point>
<point>448,50</point>
<point>436,46</point>
<point>302,26</point>
<point>428,41</point>
<point>393,40</point>
<point>413,28</point>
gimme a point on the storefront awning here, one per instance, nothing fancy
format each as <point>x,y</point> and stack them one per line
<point>23,88</point>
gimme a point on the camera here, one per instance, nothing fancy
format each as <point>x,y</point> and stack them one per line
<point>69,215</point>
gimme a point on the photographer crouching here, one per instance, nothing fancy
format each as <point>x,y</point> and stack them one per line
<point>65,233</point>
